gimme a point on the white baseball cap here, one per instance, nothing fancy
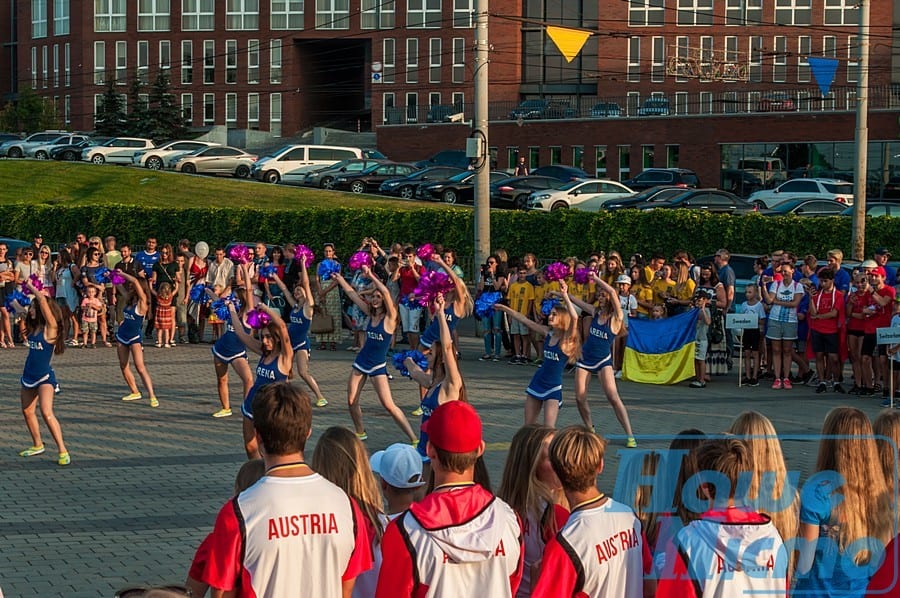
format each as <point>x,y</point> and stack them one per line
<point>623,279</point>
<point>399,465</point>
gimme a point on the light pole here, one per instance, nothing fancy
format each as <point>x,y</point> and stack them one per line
<point>861,141</point>
<point>477,148</point>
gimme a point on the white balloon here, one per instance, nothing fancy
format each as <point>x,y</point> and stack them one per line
<point>201,249</point>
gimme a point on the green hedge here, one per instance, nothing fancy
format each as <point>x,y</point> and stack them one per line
<point>554,234</point>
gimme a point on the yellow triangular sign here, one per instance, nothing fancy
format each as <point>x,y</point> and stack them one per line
<point>569,41</point>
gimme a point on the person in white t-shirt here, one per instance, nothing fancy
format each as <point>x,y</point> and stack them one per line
<point>782,294</point>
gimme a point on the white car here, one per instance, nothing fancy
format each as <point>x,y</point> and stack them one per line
<point>833,189</point>
<point>17,148</point>
<point>163,156</point>
<point>42,151</point>
<point>587,195</point>
<point>118,150</point>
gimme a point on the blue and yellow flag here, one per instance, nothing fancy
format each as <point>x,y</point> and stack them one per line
<point>660,351</point>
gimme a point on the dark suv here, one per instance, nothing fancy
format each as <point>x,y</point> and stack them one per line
<point>541,109</point>
<point>679,177</point>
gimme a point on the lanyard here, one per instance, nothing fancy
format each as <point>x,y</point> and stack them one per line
<point>588,502</point>
<point>286,466</point>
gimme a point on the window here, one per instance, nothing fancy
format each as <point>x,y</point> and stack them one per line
<point>209,109</point>
<point>632,103</point>
<point>555,155</point>
<point>829,46</point>
<point>600,161</point>
<point>209,61</point>
<point>231,60</point>
<point>187,62</point>
<point>377,14</point>
<point>634,59</point>
<point>463,14</point>
<point>38,19</point>
<point>275,114</point>
<point>412,60</point>
<point>67,109</point>
<point>286,14</point>
<point>754,64</point>
<point>242,15</point>
<point>730,102</point>
<point>842,12</point>
<point>60,17</point>
<point>681,102</point>
<point>779,59</point>
<point>187,108</point>
<point>332,14</point>
<point>681,49</point>
<point>434,60</point>
<point>731,48</point>
<point>743,12</point>
<point>646,13</point>
<point>143,61</point>
<point>647,153</point>
<point>109,16</point>
<point>695,12</point>
<point>804,48</point>
<point>275,61</point>
<point>67,65</point>
<point>423,14</point>
<point>389,60</point>
<point>412,107</point>
<point>706,52</point>
<point>624,162</point>
<point>253,110</point>
<point>852,59</point>
<point>253,61</point>
<point>658,59</point>
<point>153,15</point>
<point>231,107</point>
<point>198,15</point>
<point>99,63</point>
<point>434,98</point>
<point>578,156</point>
<point>706,101</point>
<point>45,65</point>
<point>34,68</point>
<point>121,63</point>
<point>534,157</point>
<point>389,110</point>
<point>793,12</point>
<point>55,65</point>
<point>459,60</point>
<point>165,54</point>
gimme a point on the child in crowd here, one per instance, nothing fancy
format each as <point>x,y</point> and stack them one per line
<point>164,320</point>
<point>520,295</point>
<point>751,336</point>
<point>658,312</point>
<point>894,356</point>
<point>400,469</point>
<point>90,310</point>
<point>214,320</point>
<point>701,302</point>
<point>826,317</point>
<point>629,310</point>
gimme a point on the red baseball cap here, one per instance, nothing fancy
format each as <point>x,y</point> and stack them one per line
<point>454,427</point>
<point>878,271</point>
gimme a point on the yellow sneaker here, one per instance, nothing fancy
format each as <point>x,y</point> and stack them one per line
<point>32,451</point>
<point>64,459</point>
<point>154,402</point>
<point>321,402</point>
<point>417,411</point>
<point>415,443</point>
<point>132,397</point>
<point>222,413</point>
<point>631,442</point>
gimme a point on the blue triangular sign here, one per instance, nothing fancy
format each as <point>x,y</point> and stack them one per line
<point>823,70</point>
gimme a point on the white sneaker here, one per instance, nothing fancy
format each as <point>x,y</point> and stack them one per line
<point>618,375</point>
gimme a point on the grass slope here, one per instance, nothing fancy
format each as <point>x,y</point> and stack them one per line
<point>81,184</point>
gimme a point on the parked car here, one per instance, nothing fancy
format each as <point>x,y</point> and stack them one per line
<point>4,137</point>
<point>769,170</point>
<point>740,182</point>
<point>563,173</point>
<point>833,189</point>
<point>877,208</point>
<point>606,110</point>
<point>162,157</point>
<point>542,109</point>
<point>117,150</point>
<point>651,177</point>
<point>807,207</point>
<point>72,152</point>
<point>272,167</point>
<point>455,158</point>
<point>323,177</point>
<point>13,245</point>
<point>776,101</point>
<point>220,159</point>
<point>459,188</point>
<point>406,187</point>
<point>42,151</point>
<point>654,107</point>
<point>372,177</point>
<point>513,192</point>
<point>16,148</point>
<point>587,195</point>
<point>707,200</point>
<point>659,193</point>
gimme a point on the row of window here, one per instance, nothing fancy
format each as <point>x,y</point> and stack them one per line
<point>41,74</point>
<point>413,68</point>
<point>781,49</point>
<point>655,13</point>
<point>392,114</point>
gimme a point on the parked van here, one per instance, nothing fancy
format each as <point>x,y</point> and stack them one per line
<point>291,157</point>
<point>769,170</point>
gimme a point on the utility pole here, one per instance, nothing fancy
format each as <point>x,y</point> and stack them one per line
<point>861,141</point>
<point>480,137</point>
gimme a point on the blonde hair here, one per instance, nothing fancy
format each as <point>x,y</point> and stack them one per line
<point>648,501</point>
<point>887,424</point>
<point>865,511</point>
<point>165,290</point>
<point>576,454</point>
<point>520,486</point>
<point>341,458</point>
<point>569,339</point>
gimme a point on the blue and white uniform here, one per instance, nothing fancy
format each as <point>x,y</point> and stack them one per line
<point>372,358</point>
<point>129,331</point>
<point>433,331</point>
<point>546,383</point>
<point>298,329</point>
<point>229,347</point>
<point>37,365</point>
<point>266,373</point>
<point>596,353</point>
<point>428,405</point>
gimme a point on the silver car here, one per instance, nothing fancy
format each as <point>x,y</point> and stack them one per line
<point>17,147</point>
<point>42,152</point>
<point>164,156</point>
<point>117,150</point>
<point>220,159</point>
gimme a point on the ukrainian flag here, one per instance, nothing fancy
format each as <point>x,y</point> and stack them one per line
<point>660,351</point>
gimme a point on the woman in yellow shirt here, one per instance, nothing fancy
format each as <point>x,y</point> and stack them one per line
<point>642,291</point>
<point>679,296</point>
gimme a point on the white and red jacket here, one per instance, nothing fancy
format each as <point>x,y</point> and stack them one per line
<point>464,542</point>
<point>601,551</point>
<point>283,534</point>
<point>726,553</point>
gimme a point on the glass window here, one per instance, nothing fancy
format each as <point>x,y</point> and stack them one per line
<point>38,19</point>
<point>44,66</point>
<point>793,12</point>
<point>187,62</point>
<point>634,59</point>
<point>743,12</point>
<point>275,61</point>
<point>241,15</point>
<point>681,102</point>
<point>121,63</point>
<point>286,14</point>
<point>253,61</point>
<point>852,59</point>
<point>434,60</point>
<point>555,155</point>
<point>55,65</point>
<point>754,56</point>
<point>624,162</point>
<point>672,152</point>
<point>388,60</point>
<point>412,107</point>
<point>695,12</point>
<point>534,157</point>
<point>804,48</point>
<point>209,61</point>
<point>389,109</point>
<point>165,54</point>
<point>423,14</point>
<point>231,108</point>
<point>647,153</point>
<point>209,109</point>
<point>143,61</point>
<point>842,12</point>
<point>377,14</point>
<point>682,43</point>
<point>67,61</point>
<point>60,17</point>
<point>99,63</point>
<point>600,161</point>
<point>646,13</point>
<point>109,16</point>
<point>779,59</point>
<point>332,14</point>
<point>658,60</point>
<point>412,60</point>
<point>187,108</point>
<point>253,110</point>
<point>275,114</point>
<point>463,14</point>
<point>459,60</point>
<point>153,15</point>
<point>198,15</point>
<point>231,60</point>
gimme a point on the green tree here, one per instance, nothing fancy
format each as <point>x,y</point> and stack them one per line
<point>110,118</point>
<point>29,112</point>
<point>165,113</point>
<point>140,121</point>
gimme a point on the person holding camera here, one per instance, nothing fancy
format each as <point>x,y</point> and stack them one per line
<point>492,278</point>
<point>782,294</point>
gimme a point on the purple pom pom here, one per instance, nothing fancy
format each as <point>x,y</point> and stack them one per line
<point>360,259</point>
<point>582,275</point>
<point>425,252</point>
<point>432,284</point>
<point>302,250</point>
<point>556,271</point>
<point>240,254</point>
<point>257,319</point>
<point>35,282</point>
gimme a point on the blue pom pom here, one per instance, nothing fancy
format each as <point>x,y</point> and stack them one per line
<point>198,294</point>
<point>101,274</point>
<point>23,300</point>
<point>327,268</point>
<point>484,305</point>
<point>547,306</point>
<point>399,358</point>
<point>268,271</point>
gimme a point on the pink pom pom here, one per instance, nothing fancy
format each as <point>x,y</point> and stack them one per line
<point>582,275</point>
<point>303,251</point>
<point>240,254</point>
<point>257,319</point>
<point>432,284</point>
<point>116,277</point>
<point>425,252</point>
<point>360,259</point>
<point>556,271</point>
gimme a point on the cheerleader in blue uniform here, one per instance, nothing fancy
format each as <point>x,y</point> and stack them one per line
<point>300,317</point>
<point>371,361</point>
<point>275,358</point>
<point>128,337</point>
<point>43,330</point>
<point>596,356</point>
<point>561,345</point>
<point>229,350</point>
<point>460,306</point>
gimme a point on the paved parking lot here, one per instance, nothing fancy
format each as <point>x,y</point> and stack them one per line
<point>145,484</point>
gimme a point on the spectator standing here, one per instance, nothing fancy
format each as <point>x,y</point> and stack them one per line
<point>728,279</point>
<point>826,318</point>
<point>328,296</point>
<point>701,302</point>
<point>881,257</point>
<point>147,258</point>
<point>521,167</point>
<point>520,296</point>
<point>883,307</point>
<point>841,276</point>
<point>128,265</point>
<point>410,310</point>
<point>7,285</point>
<point>782,295</point>
<point>65,274</point>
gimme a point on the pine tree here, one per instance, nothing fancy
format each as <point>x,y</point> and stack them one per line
<point>139,119</point>
<point>31,112</point>
<point>111,120</point>
<point>165,113</point>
